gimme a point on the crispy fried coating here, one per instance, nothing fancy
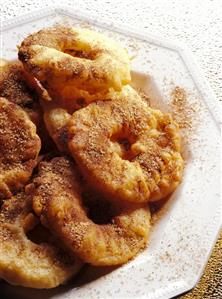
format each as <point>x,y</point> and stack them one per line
<point>74,64</point>
<point>23,262</point>
<point>19,148</point>
<point>17,86</point>
<point>126,149</point>
<point>57,200</point>
<point>13,85</point>
<point>21,88</point>
<point>57,114</point>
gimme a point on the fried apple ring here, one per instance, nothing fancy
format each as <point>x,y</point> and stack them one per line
<point>13,85</point>
<point>74,63</point>
<point>57,199</point>
<point>23,262</point>
<point>19,87</point>
<point>126,149</point>
<point>19,148</point>
<point>56,116</point>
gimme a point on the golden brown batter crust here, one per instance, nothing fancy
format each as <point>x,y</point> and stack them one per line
<point>57,199</point>
<point>23,262</point>
<point>19,148</point>
<point>125,149</point>
<point>74,63</point>
<point>13,85</point>
<point>21,88</point>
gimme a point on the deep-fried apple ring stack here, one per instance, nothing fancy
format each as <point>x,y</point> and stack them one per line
<point>110,148</point>
<point>28,257</point>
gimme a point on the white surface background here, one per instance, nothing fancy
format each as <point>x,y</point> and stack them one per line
<point>198,23</point>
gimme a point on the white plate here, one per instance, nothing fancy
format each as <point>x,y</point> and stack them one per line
<point>182,239</point>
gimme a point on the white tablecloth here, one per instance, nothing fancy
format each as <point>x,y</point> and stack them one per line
<point>197,23</point>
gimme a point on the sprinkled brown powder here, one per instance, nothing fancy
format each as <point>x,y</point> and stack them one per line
<point>185,113</point>
<point>181,110</point>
